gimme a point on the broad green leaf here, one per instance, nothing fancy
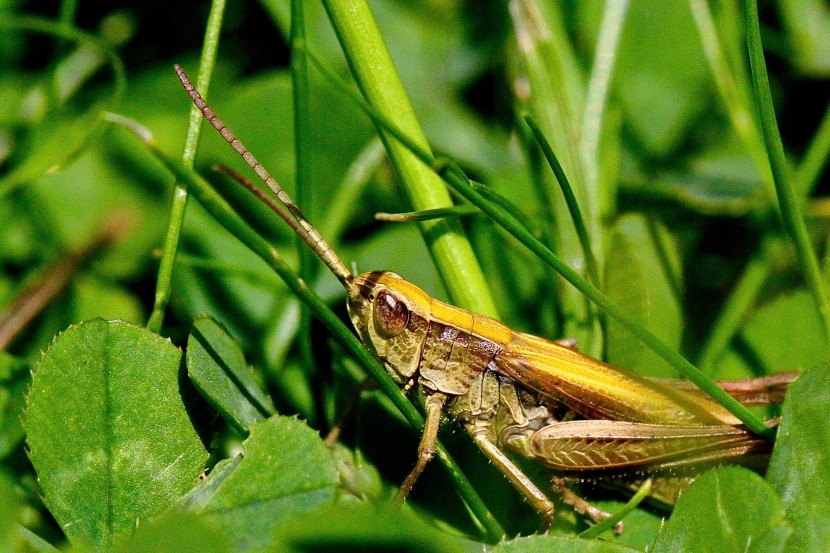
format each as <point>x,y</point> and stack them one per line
<point>14,379</point>
<point>800,466</point>
<point>217,367</point>
<point>368,527</point>
<point>555,544</point>
<point>771,343</point>
<point>639,277</point>
<point>179,532</point>
<point>285,470</point>
<point>729,509</point>
<point>661,73</point>
<point>774,344</point>
<point>108,433</point>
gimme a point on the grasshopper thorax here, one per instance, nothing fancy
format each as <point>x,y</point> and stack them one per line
<point>391,316</point>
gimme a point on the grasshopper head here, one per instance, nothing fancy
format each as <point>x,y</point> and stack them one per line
<point>391,317</point>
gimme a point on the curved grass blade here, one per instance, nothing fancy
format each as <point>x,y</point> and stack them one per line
<point>226,216</point>
<point>470,190</point>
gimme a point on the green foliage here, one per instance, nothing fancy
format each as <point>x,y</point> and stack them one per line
<point>750,516</point>
<point>10,506</point>
<point>284,470</point>
<point>640,273</point>
<point>799,468</point>
<point>187,439</point>
<point>559,543</point>
<point>217,367</point>
<point>107,431</point>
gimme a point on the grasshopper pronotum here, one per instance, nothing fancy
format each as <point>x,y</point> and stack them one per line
<point>507,388</point>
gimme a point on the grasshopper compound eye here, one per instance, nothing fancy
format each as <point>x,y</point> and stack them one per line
<point>391,314</point>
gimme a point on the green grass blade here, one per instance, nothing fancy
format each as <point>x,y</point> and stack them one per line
<point>735,98</point>
<point>599,83</point>
<point>227,217</point>
<point>179,204</point>
<point>300,93</point>
<point>603,526</point>
<point>428,214</point>
<point>570,200</point>
<point>375,74</point>
<point>787,200</point>
<point>471,192</point>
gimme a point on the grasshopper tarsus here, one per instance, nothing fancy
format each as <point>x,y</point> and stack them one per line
<point>580,504</point>
<point>569,343</point>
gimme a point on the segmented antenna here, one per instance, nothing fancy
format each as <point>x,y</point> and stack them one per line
<point>291,214</point>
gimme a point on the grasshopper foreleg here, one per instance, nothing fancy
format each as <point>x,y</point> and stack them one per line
<point>426,449</point>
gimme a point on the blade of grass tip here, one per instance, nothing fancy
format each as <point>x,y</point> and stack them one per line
<point>375,73</point>
<point>570,200</point>
<point>220,210</point>
<point>539,182</point>
<point>428,214</point>
<point>454,177</point>
<point>350,189</point>
<point>575,216</point>
<point>609,523</point>
<point>178,206</point>
<point>548,232</point>
<point>787,200</point>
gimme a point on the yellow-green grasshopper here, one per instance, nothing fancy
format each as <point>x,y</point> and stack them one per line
<point>509,389</point>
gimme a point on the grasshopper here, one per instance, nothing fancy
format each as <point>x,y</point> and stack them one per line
<point>509,389</point>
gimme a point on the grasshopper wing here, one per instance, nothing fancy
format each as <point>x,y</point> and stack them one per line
<point>596,390</point>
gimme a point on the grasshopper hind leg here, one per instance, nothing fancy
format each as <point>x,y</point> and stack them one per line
<point>538,500</point>
<point>581,505</point>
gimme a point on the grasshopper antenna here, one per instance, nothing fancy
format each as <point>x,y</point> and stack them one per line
<point>288,211</point>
